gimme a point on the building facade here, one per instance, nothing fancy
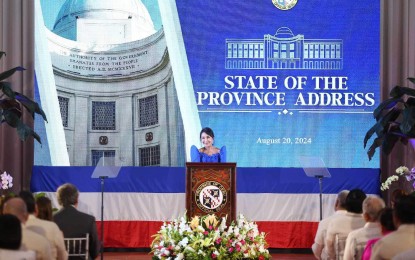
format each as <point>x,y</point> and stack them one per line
<point>115,86</point>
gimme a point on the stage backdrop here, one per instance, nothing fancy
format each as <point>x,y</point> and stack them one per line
<point>277,84</point>
<point>285,85</point>
<point>283,201</point>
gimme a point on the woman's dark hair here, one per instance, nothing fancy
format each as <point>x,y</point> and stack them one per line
<point>207,131</point>
<point>44,208</point>
<point>386,219</point>
<point>405,209</point>
<point>396,194</point>
<point>29,199</point>
<point>354,200</point>
<point>10,232</point>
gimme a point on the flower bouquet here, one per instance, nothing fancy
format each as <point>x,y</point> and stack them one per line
<point>6,183</point>
<point>208,237</point>
<point>401,171</point>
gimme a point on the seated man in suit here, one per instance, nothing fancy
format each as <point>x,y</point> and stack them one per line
<point>74,223</point>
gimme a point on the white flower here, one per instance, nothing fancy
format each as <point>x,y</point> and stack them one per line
<point>184,242</point>
<point>222,225</point>
<point>402,170</point>
<point>241,220</point>
<point>200,229</point>
<point>386,185</point>
<point>230,230</point>
<point>189,248</point>
<point>165,251</point>
<point>179,256</point>
<point>236,231</point>
<point>200,252</point>
<point>6,181</point>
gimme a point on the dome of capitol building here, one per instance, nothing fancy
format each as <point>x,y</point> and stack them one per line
<point>284,32</point>
<point>108,18</point>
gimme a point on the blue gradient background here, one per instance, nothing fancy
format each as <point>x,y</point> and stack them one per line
<point>336,138</point>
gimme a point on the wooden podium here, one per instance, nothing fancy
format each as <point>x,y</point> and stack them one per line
<point>211,189</point>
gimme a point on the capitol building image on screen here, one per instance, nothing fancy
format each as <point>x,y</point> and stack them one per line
<point>115,87</point>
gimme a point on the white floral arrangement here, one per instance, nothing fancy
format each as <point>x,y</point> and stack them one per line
<point>208,237</point>
<point>6,181</point>
<point>400,171</point>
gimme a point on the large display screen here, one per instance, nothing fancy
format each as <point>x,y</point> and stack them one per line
<point>277,81</point>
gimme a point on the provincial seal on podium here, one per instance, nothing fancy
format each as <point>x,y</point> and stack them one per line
<point>210,196</point>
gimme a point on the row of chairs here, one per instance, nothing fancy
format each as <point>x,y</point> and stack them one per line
<point>78,247</point>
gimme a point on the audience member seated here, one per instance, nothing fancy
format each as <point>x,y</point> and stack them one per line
<point>45,228</point>
<point>30,239</point>
<point>44,208</point>
<point>396,194</point>
<point>403,238</point>
<point>357,239</point>
<point>11,239</point>
<point>318,247</point>
<point>3,201</point>
<point>344,224</point>
<point>406,255</point>
<point>74,223</point>
<point>387,226</point>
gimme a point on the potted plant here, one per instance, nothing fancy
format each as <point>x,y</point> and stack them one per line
<point>395,120</point>
<point>12,103</point>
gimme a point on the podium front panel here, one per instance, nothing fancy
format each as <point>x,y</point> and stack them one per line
<point>211,189</point>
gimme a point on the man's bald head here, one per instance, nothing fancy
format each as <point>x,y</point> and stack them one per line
<point>17,207</point>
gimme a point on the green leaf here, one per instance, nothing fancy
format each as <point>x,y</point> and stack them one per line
<point>7,90</point>
<point>2,53</point>
<point>408,120</point>
<point>410,101</point>
<point>372,149</point>
<point>11,117</point>
<point>382,125</point>
<point>8,73</point>
<point>412,80</point>
<point>24,132</point>
<point>387,104</point>
<point>30,105</point>
<point>398,91</point>
<point>40,194</point>
<point>369,134</point>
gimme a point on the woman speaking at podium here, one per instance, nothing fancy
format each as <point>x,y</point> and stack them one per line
<point>208,153</point>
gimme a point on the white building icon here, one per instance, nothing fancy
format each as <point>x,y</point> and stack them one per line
<point>284,50</point>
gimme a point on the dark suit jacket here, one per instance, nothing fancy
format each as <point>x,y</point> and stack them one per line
<point>74,223</point>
